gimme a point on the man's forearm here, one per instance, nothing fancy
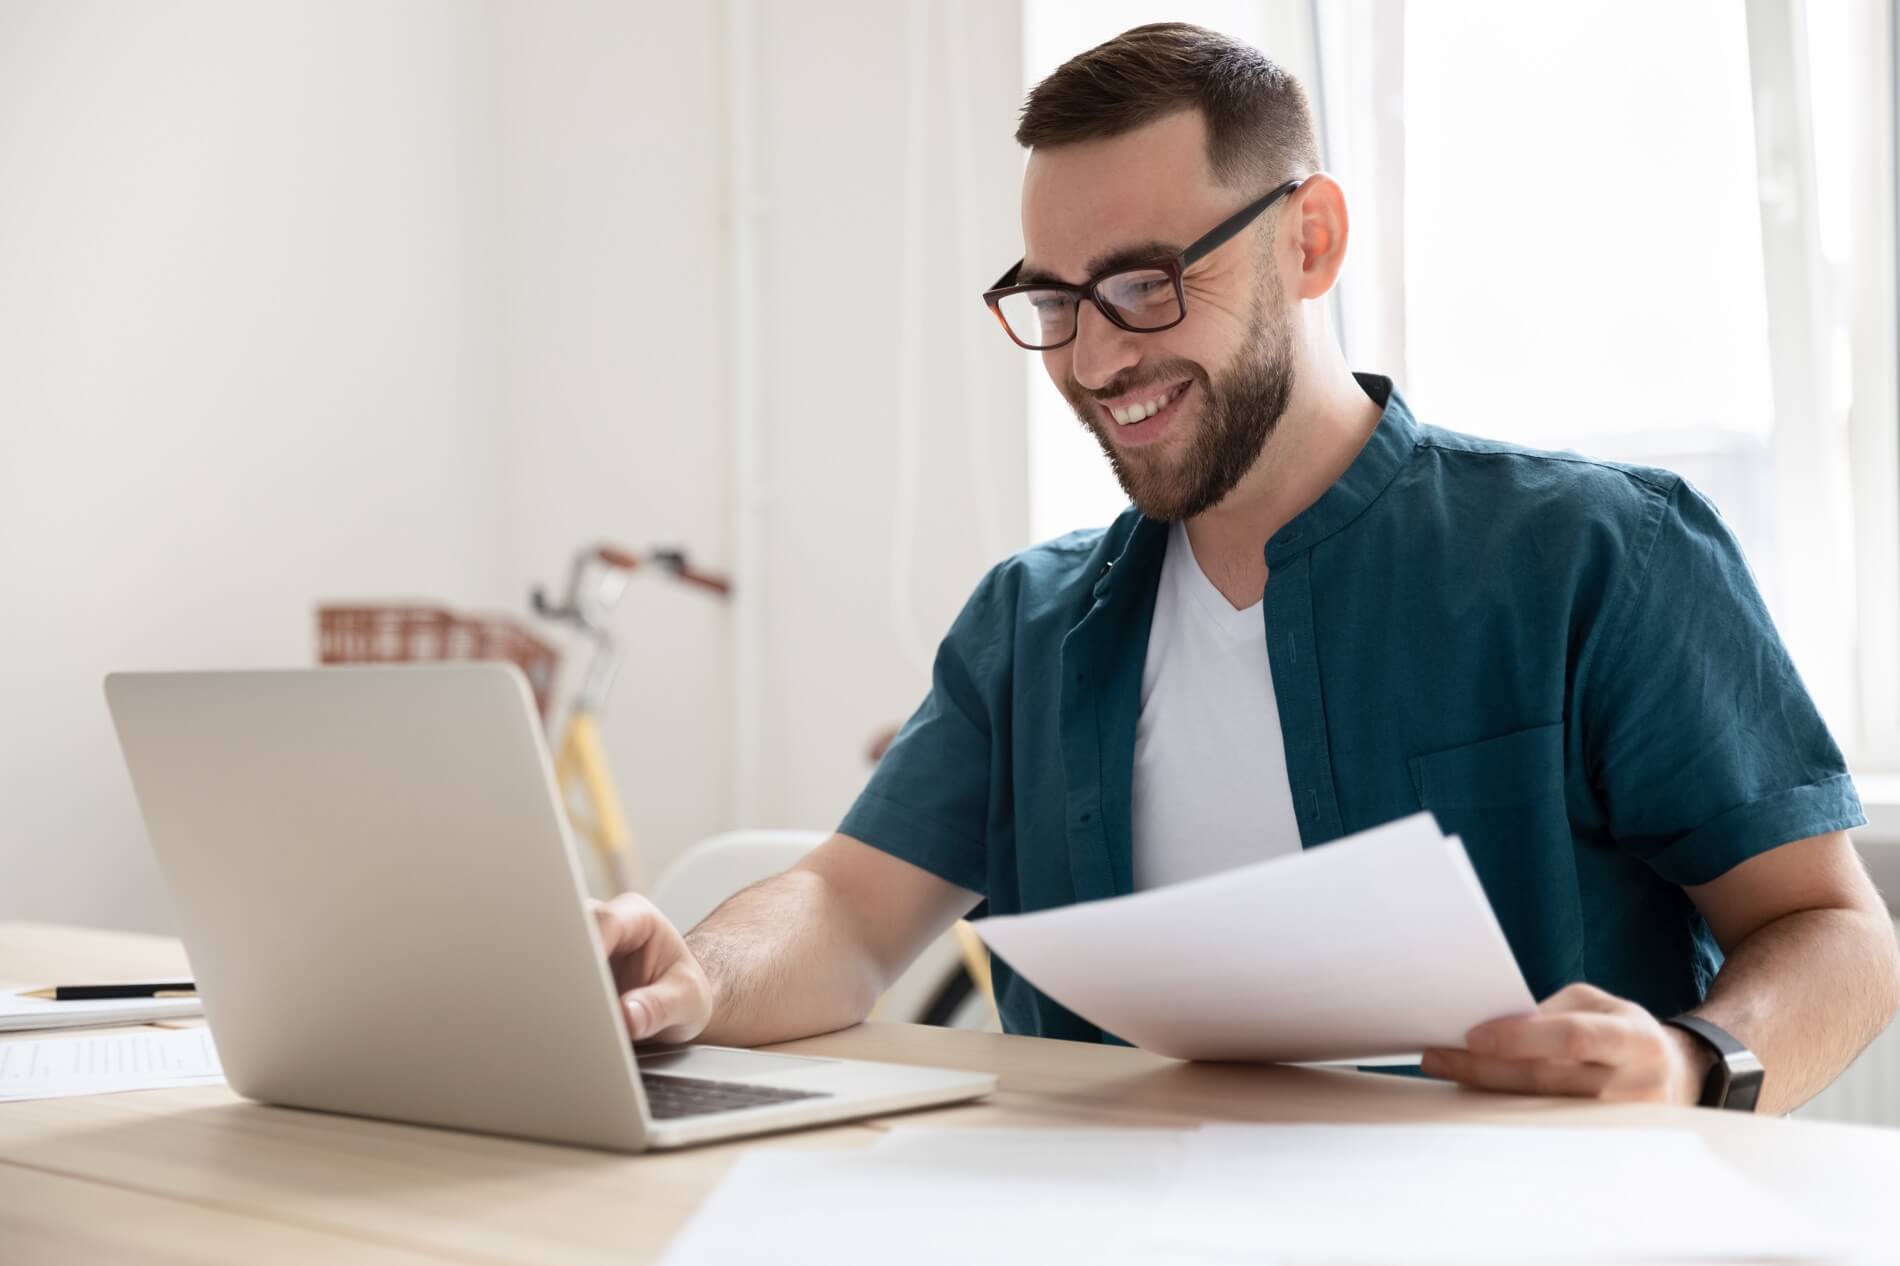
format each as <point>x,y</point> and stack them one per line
<point>1807,993</point>
<point>783,964</point>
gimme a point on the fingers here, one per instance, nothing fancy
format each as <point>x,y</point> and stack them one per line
<point>1518,1076</point>
<point>1582,997</point>
<point>665,995</point>
<point>643,1013</point>
<point>627,923</point>
<point>674,1008</point>
<point>1581,1041</point>
<point>1578,1037</point>
<point>651,1013</point>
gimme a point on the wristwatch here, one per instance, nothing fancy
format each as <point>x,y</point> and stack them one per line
<point>1734,1080</point>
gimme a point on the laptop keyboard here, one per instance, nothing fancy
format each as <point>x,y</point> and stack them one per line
<point>670,1097</point>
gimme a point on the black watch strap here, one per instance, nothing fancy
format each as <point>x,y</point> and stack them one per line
<point>1734,1080</point>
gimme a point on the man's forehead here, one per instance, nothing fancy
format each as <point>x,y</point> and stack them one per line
<point>1089,203</point>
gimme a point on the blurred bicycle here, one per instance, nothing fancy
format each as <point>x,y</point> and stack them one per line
<point>596,581</point>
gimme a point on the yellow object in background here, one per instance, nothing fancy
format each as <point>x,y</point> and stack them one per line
<point>582,760</point>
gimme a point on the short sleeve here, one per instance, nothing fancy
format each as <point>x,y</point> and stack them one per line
<point>928,800</point>
<point>1702,741</point>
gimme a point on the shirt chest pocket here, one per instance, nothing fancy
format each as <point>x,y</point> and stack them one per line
<point>1511,769</point>
<point>1504,798</point>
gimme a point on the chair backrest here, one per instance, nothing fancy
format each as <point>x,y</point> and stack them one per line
<point>713,869</point>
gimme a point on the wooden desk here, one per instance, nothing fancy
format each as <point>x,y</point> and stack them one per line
<point>201,1175</point>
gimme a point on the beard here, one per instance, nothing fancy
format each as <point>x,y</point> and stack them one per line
<point>1239,412</point>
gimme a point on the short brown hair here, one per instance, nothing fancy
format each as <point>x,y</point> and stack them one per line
<point>1259,129</point>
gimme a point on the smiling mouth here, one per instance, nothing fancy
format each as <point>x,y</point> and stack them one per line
<point>1141,410</point>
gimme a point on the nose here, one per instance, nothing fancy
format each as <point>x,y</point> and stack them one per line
<point>1101,349</point>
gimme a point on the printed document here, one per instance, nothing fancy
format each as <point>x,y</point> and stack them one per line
<point>104,1063</point>
<point>1380,944</point>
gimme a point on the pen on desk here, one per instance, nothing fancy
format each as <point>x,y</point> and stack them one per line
<point>100,993</point>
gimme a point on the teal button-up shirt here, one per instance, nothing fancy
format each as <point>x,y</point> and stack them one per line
<point>1565,660</point>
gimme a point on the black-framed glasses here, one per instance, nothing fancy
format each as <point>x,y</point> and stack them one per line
<point>1142,298</point>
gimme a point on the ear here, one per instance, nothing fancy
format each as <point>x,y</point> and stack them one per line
<point>1320,244</point>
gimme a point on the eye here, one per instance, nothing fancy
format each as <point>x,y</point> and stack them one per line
<point>1143,289</point>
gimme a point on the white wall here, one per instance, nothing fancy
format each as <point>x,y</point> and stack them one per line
<point>621,347</point>
<point>856,245</point>
<point>309,300</point>
<point>610,125</point>
<point>247,358</point>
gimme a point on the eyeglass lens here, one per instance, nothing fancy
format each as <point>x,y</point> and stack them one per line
<point>1141,298</point>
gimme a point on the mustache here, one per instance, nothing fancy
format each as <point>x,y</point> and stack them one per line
<point>1122,384</point>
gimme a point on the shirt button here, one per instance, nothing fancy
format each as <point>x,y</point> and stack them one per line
<point>1085,818</point>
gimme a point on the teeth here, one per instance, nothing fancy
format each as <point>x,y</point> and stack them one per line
<point>1141,412</point>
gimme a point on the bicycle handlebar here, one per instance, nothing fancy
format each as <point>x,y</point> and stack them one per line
<point>671,561</point>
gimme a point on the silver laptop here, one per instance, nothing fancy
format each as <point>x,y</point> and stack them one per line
<point>384,915</point>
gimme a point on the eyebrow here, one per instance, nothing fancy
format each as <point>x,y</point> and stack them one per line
<point>1140,253</point>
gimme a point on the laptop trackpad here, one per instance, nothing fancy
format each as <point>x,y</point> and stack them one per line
<point>719,1063</point>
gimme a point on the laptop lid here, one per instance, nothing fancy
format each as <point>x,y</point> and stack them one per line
<point>379,896</point>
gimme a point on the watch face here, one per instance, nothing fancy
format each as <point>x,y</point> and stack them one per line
<point>1743,1092</point>
<point>1735,1078</point>
<point>1744,1080</point>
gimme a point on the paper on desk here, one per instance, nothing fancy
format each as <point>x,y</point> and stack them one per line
<point>19,1013</point>
<point>924,1196</point>
<point>1379,944</point>
<point>1474,1194</point>
<point>105,1063</point>
<point>1228,1195</point>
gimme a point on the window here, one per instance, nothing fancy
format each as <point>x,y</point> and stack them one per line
<point>1633,247</point>
<point>1582,243</point>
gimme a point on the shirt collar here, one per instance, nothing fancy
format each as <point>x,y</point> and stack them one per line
<point>1372,471</point>
<point>1387,450</point>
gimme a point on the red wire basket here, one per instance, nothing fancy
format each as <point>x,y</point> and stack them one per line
<point>410,633</point>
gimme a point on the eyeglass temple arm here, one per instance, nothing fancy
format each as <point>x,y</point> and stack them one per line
<point>1216,239</point>
<point>1226,229</point>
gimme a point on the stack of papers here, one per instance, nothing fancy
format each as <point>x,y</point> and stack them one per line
<point>1380,944</point>
<point>104,1063</point>
<point>1225,1195</point>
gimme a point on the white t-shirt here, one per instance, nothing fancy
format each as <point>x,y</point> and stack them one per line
<point>1211,790</point>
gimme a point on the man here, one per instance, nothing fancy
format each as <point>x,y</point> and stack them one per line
<point>1318,616</point>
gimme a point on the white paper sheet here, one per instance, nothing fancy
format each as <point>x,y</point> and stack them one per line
<point>1379,944</point>
<point>105,1063</point>
<point>958,1197</point>
<point>1474,1195</point>
<point>18,1013</point>
<point>1228,1195</point>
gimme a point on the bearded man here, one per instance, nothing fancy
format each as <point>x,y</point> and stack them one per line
<point>1318,615</point>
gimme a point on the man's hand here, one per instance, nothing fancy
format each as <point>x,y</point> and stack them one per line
<point>1584,1042</point>
<point>664,993</point>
